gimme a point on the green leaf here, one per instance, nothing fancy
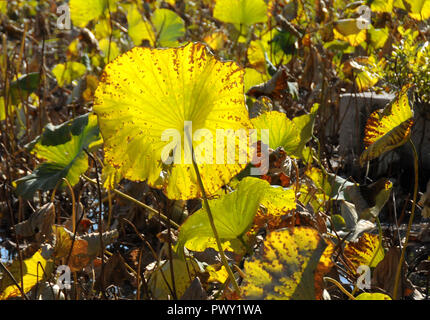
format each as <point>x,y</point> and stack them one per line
<point>21,88</point>
<point>170,27</point>
<point>241,12</point>
<point>62,147</point>
<point>66,73</point>
<point>305,126</point>
<point>233,213</point>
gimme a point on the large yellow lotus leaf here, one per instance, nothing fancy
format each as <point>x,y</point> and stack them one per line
<point>282,132</point>
<point>147,95</point>
<point>33,271</point>
<point>364,251</point>
<point>287,266</point>
<point>83,11</point>
<point>241,12</point>
<point>388,129</point>
<point>347,30</point>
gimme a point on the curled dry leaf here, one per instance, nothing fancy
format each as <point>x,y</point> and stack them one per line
<point>115,273</point>
<point>85,248</point>
<point>40,222</point>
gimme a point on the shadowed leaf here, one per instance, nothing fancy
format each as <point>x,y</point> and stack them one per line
<point>62,147</point>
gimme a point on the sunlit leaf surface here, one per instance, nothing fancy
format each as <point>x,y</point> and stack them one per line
<point>418,9</point>
<point>232,213</point>
<point>281,131</point>
<point>241,12</point>
<point>364,251</point>
<point>388,129</point>
<point>32,273</point>
<point>347,30</point>
<point>83,11</point>
<point>147,95</point>
<point>286,267</point>
<point>372,296</point>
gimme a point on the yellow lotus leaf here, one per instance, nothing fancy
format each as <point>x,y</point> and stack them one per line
<point>138,28</point>
<point>160,282</point>
<point>3,7</point>
<point>287,266</point>
<point>364,251</point>
<point>66,73</point>
<point>363,70</point>
<point>151,102</point>
<point>83,11</point>
<point>241,12</point>
<point>268,47</point>
<point>254,77</point>
<point>216,40</point>
<point>347,30</point>
<point>388,129</point>
<point>372,296</point>
<point>382,6</point>
<point>33,271</point>
<point>418,9</point>
<point>110,50</point>
<point>282,132</point>
<point>217,275</point>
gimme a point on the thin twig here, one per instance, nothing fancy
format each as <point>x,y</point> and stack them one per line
<point>411,219</point>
